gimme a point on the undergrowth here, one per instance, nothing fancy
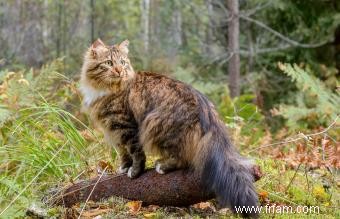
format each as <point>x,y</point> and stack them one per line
<point>46,144</point>
<point>41,144</point>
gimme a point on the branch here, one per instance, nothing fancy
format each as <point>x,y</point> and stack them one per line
<point>265,50</point>
<point>258,8</point>
<point>281,36</point>
<point>226,56</point>
<point>177,188</point>
<point>302,136</point>
<point>272,49</point>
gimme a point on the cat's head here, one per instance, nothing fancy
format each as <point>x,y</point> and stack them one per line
<point>106,67</point>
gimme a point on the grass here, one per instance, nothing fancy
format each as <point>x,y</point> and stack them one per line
<point>44,147</point>
<point>49,150</point>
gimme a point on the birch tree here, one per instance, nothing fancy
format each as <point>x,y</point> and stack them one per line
<point>145,11</point>
<point>234,47</point>
<point>92,19</point>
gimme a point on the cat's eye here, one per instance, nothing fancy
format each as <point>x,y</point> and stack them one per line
<point>122,62</point>
<point>109,62</point>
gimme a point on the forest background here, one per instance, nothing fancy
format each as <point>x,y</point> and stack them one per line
<point>270,67</point>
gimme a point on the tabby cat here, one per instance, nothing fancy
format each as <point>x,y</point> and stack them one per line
<point>144,112</point>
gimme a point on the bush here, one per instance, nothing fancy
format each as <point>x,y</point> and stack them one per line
<point>315,104</point>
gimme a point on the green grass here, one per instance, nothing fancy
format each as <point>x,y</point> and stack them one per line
<point>299,187</point>
<point>43,148</point>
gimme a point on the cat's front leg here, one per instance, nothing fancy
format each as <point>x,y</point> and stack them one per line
<point>124,158</point>
<point>138,164</point>
<point>112,138</point>
<point>137,154</point>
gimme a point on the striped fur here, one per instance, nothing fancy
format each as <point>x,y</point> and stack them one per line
<point>150,113</point>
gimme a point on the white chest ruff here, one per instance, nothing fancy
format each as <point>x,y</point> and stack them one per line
<point>90,94</point>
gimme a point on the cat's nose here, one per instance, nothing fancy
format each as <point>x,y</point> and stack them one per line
<point>118,69</point>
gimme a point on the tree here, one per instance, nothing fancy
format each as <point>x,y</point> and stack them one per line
<point>234,47</point>
<point>209,28</point>
<point>92,8</point>
<point>145,26</point>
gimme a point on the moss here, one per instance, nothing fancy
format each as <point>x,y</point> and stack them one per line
<point>300,195</point>
<point>301,187</point>
<point>320,194</point>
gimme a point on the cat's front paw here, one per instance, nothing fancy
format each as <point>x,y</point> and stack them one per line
<point>159,168</point>
<point>123,169</point>
<point>134,172</point>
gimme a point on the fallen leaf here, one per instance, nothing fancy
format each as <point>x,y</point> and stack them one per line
<point>317,153</point>
<point>134,206</point>
<point>263,195</point>
<point>204,206</point>
<point>103,165</point>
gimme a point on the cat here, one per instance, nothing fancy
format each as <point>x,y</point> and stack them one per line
<point>144,112</point>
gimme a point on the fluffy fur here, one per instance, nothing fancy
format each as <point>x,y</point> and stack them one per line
<point>150,113</point>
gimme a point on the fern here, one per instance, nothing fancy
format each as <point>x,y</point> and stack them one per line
<point>315,104</point>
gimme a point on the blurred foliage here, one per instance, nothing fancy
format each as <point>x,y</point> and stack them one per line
<point>182,36</point>
<point>40,143</point>
<point>316,104</point>
<point>310,22</point>
<point>40,106</point>
<point>244,118</point>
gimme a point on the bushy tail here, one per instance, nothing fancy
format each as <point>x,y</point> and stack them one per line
<point>225,173</point>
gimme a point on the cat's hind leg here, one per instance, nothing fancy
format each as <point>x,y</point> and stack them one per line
<point>166,165</point>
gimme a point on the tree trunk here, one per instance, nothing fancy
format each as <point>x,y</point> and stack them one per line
<point>233,48</point>
<point>58,34</point>
<point>92,20</point>
<point>337,47</point>
<point>249,34</point>
<point>209,29</point>
<point>175,34</point>
<point>177,24</point>
<point>154,23</point>
<point>64,30</point>
<point>145,24</point>
<point>145,9</point>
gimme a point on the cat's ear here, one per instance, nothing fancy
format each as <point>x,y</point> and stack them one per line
<point>96,45</point>
<point>124,46</point>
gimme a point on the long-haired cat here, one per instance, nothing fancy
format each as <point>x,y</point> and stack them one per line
<point>147,112</point>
